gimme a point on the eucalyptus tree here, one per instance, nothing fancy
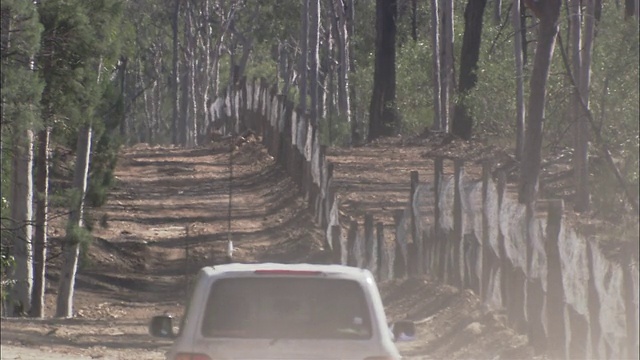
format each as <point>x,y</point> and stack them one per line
<point>82,43</point>
<point>462,122</point>
<point>548,13</point>
<point>382,114</point>
<point>21,92</point>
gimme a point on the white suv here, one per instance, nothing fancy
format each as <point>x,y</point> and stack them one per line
<point>280,311</point>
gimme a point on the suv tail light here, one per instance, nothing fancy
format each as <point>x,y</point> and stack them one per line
<point>191,356</point>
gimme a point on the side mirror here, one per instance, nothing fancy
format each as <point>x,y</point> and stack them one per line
<point>403,330</point>
<point>162,326</point>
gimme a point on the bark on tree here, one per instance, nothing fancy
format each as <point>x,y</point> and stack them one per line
<point>344,101</point>
<point>40,228</point>
<point>356,134</point>
<point>583,77</point>
<point>175,96</point>
<point>414,20</point>
<point>382,112</point>
<point>303,71</point>
<point>71,245</point>
<point>314,42</point>
<point>446,64</point>
<point>462,124</point>
<point>22,216</point>
<point>516,17</point>
<point>548,13</point>
<point>437,71</point>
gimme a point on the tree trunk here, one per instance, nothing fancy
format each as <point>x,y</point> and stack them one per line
<point>382,113</point>
<point>437,71</point>
<point>314,42</point>
<point>122,68</point>
<point>518,55</point>
<point>583,78</point>
<point>549,12</point>
<point>462,125</point>
<point>175,96</point>
<point>446,64</point>
<point>40,236</point>
<point>353,115</point>
<point>71,245</point>
<point>344,106</point>
<point>302,85</point>
<point>22,215</point>
<point>414,20</point>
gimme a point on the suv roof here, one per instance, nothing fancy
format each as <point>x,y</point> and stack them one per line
<point>285,268</point>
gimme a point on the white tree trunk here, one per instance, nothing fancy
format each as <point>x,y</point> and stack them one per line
<point>40,233</point>
<point>71,248</point>
<point>22,216</point>
<point>447,64</point>
<point>437,71</point>
<point>314,41</point>
<point>344,105</point>
<point>304,54</point>
<point>578,115</point>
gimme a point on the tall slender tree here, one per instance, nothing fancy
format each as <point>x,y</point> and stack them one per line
<point>548,12</point>
<point>516,17</point>
<point>383,116</point>
<point>462,124</point>
<point>20,95</point>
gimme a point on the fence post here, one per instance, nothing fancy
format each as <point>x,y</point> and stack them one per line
<point>504,262</point>
<point>555,290</point>
<point>487,259</point>
<point>593,303</point>
<point>399,261</point>
<point>415,226</point>
<point>336,240</point>
<point>368,241</point>
<point>630,307</point>
<point>534,292</point>
<point>329,196</point>
<point>380,251</point>
<point>352,259</point>
<point>459,279</point>
<point>439,240</point>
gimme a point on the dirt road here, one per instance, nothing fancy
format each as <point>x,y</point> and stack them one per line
<point>168,216</point>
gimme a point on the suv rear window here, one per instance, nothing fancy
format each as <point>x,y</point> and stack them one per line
<point>281,307</point>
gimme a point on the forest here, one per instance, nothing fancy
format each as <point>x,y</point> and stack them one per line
<point>80,79</point>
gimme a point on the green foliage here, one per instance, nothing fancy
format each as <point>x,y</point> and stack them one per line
<point>414,91</point>
<point>78,235</point>
<point>335,131</point>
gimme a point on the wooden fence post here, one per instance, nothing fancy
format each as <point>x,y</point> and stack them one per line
<point>399,261</point>
<point>504,262</point>
<point>439,240</point>
<point>381,263</point>
<point>352,259</point>
<point>368,240</point>
<point>459,279</point>
<point>329,196</point>
<point>416,233</point>
<point>631,308</point>
<point>534,291</point>
<point>487,253</point>
<point>593,303</point>
<point>555,290</point>
<point>336,241</point>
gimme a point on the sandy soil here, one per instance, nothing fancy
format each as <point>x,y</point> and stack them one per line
<point>168,216</point>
